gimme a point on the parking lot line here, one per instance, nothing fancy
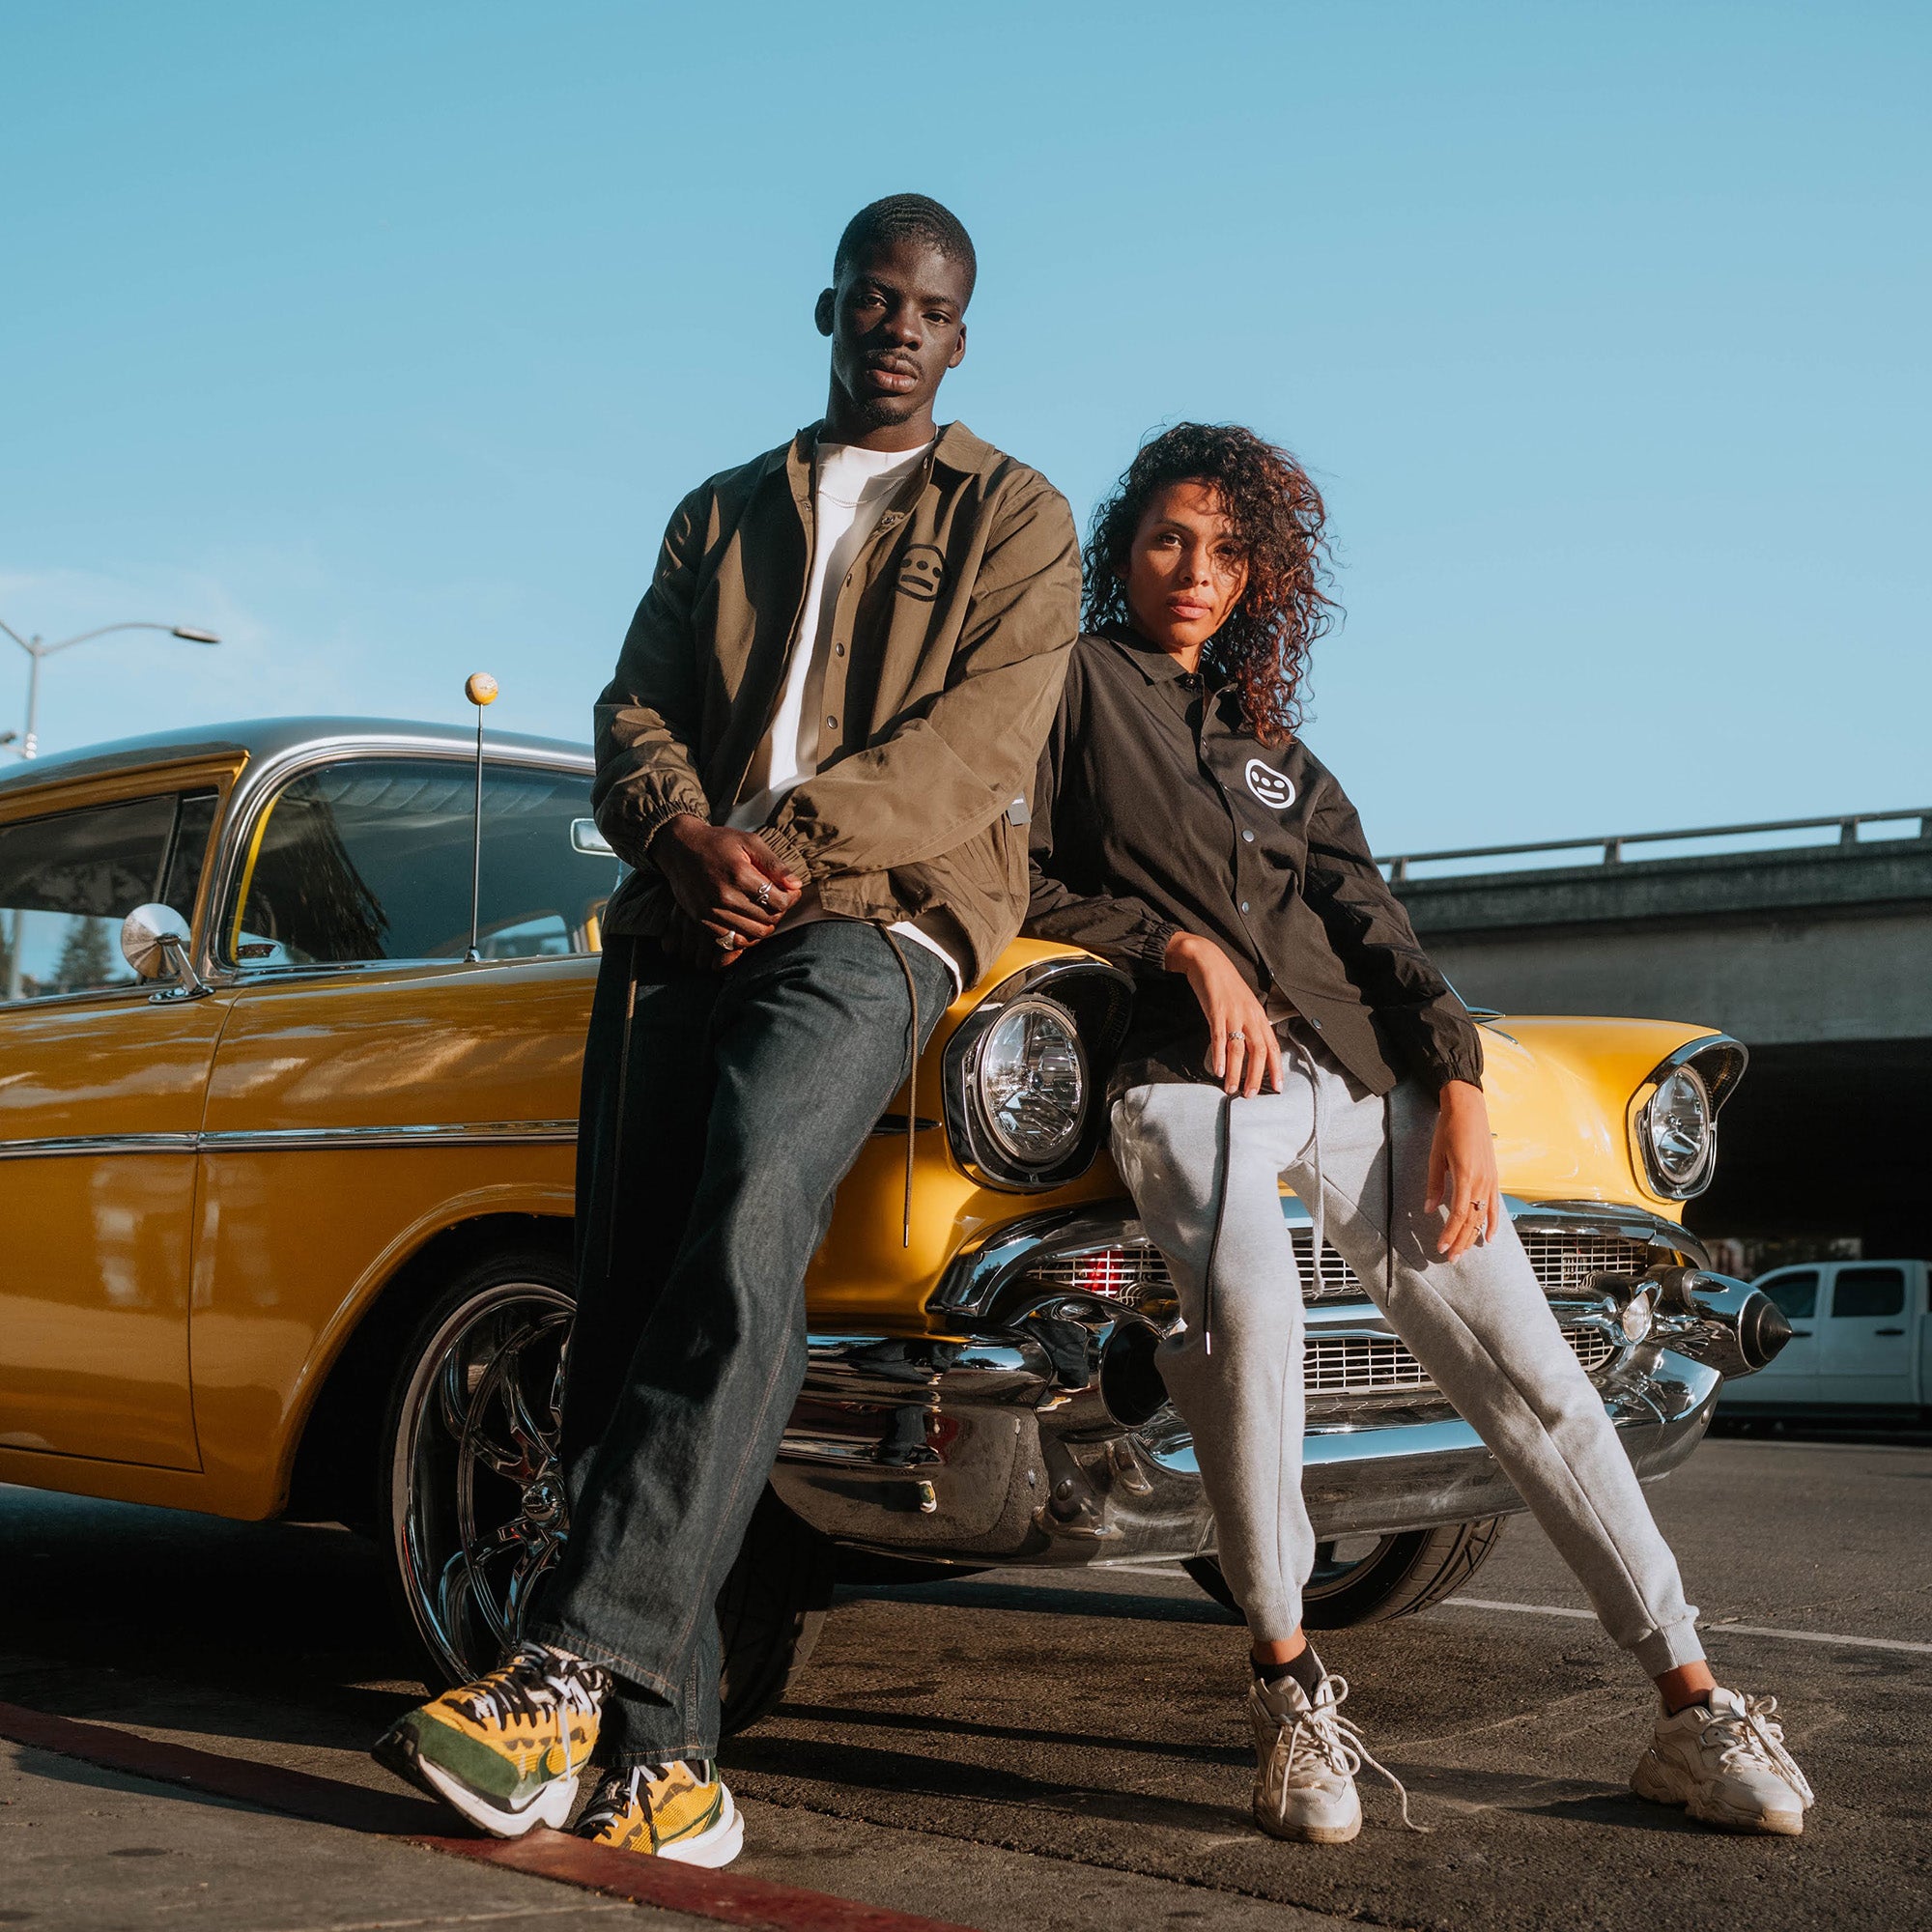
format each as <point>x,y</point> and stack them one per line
<point>1724,1626</point>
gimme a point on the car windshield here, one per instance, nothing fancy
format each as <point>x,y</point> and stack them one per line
<point>370,859</point>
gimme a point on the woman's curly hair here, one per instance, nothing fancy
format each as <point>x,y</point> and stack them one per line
<point>1278,518</point>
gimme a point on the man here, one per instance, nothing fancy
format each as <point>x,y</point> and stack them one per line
<point>814,753</point>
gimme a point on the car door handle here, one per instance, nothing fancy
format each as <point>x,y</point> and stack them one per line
<point>1888,1331</point>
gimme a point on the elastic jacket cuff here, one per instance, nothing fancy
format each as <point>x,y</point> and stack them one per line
<point>634,823</point>
<point>788,852</point>
<point>1153,954</point>
<point>1437,1072</point>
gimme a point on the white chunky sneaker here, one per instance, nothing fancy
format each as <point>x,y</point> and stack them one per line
<point>1307,1755</point>
<point>1724,1761</point>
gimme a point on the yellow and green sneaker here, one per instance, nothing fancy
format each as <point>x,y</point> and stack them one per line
<point>678,1811</point>
<point>504,1751</point>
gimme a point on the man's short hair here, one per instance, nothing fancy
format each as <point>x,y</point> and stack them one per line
<point>899,216</point>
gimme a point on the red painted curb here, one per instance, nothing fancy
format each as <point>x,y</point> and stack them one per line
<point>718,1895</point>
<point>677,1887</point>
<point>325,1800</point>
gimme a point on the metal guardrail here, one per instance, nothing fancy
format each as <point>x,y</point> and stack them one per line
<point>1848,824</point>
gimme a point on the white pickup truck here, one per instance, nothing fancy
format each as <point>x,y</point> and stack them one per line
<point>1861,1339</point>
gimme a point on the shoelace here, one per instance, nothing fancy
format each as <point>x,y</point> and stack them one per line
<point>620,1791</point>
<point>533,1683</point>
<point>1755,1737</point>
<point>615,1797</point>
<point>1337,1744</point>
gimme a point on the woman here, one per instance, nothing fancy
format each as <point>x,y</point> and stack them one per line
<point>1287,1025</point>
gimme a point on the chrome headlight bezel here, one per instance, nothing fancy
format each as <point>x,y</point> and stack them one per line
<point>1677,1129</point>
<point>1090,1001</point>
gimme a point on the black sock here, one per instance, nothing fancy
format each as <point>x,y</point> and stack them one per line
<point>1305,1668</point>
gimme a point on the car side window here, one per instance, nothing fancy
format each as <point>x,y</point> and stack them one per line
<point>68,880</point>
<point>369,859</point>
<point>1868,1290</point>
<point>1796,1294</point>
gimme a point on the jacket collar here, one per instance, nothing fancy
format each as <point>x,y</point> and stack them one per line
<point>1156,666</point>
<point>956,446</point>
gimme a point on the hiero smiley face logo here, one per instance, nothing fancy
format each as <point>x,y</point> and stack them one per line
<point>922,571</point>
<point>1275,789</point>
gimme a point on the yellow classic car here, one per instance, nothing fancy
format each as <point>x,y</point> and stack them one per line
<point>291,1018</point>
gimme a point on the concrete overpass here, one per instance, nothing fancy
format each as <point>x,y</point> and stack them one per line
<point>1817,955</point>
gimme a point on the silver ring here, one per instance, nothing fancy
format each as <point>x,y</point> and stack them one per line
<point>730,943</point>
<point>764,894</point>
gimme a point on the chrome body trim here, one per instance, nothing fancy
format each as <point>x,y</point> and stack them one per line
<point>978,1274</point>
<point>1720,1062</point>
<point>58,1146</point>
<point>456,1133</point>
<point>1605,1217</point>
<point>297,1140</point>
<point>1730,1057</point>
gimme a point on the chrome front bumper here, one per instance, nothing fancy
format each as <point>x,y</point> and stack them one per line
<point>1005,1442</point>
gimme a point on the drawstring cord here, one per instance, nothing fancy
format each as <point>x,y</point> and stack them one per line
<point>912,1086</point>
<point>1312,1146</point>
<point>1224,1134</point>
<point>1388,1199</point>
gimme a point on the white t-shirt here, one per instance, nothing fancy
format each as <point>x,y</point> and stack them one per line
<point>852,490</point>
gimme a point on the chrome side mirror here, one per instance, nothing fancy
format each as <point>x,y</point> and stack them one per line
<point>154,941</point>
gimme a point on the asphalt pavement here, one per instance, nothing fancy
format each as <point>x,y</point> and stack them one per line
<point>1019,1751</point>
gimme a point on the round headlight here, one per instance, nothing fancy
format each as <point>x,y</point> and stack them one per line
<point>1680,1133</point>
<point>1033,1082</point>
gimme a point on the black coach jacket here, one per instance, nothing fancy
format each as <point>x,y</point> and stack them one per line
<point>1156,809</point>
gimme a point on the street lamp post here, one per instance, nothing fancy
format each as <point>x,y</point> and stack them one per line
<point>38,651</point>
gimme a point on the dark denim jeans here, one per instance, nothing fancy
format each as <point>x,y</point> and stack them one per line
<point>707,1160</point>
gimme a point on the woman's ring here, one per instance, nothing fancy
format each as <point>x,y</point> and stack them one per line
<point>764,894</point>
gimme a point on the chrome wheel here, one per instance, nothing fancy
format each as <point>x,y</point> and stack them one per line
<point>477,1501</point>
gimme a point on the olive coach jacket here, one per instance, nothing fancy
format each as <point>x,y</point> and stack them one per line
<point>951,639</point>
<point>1157,810</point>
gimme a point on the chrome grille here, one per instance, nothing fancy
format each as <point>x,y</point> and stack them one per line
<point>1381,1365</point>
<point>1565,1263</point>
<point>1594,1345</point>
<point>1137,1272</point>
<point>1106,1271</point>
<point>1334,1279</point>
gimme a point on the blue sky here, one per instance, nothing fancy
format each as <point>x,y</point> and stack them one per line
<point>382,338</point>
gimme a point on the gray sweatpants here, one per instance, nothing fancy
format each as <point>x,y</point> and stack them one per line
<point>1480,1327</point>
